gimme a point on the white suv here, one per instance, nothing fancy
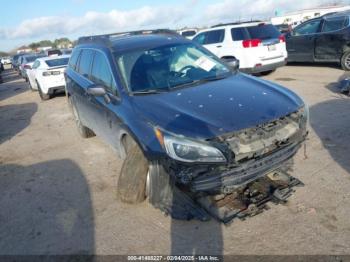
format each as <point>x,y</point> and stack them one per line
<point>259,46</point>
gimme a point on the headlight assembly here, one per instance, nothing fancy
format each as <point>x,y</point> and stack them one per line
<point>190,151</point>
<point>186,150</point>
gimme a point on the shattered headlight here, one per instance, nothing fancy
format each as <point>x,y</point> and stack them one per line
<point>186,150</point>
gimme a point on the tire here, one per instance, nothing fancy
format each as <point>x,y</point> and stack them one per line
<point>30,87</point>
<point>345,61</point>
<point>131,186</point>
<point>84,131</point>
<point>42,95</point>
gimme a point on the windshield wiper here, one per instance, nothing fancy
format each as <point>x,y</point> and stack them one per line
<point>149,91</point>
<point>200,81</point>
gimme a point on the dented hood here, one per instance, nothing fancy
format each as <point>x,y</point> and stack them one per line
<point>218,107</point>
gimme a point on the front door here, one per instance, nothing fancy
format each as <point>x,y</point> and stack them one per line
<point>301,41</point>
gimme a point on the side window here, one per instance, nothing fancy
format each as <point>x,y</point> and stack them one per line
<point>199,38</point>
<point>36,64</point>
<point>101,73</point>
<point>210,37</point>
<point>334,24</point>
<point>239,34</point>
<point>213,37</point>
<point>307,28</point>
<point>74,59</point>
<point>85,62</point>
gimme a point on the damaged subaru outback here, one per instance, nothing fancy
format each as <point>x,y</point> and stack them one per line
<point>198,138</point>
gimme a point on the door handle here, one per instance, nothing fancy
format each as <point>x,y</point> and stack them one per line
<point>218,46</point>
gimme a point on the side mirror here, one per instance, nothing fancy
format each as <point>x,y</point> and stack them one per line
<point>232,62</point>
<point>97,90</point>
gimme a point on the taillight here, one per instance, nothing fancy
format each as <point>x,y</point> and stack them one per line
<point>251,43</point>
<point>282,38</point>
<point>27,67</point>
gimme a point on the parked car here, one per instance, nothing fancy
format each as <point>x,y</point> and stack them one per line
<point>5,60</point>
<point>192,131</point>
<point>66,51</point>
<point>259,46</point>
<point>47,75</point>
<point>16,61</point>
<point>53,52</point>
<point>323,39</point>
<point>26,62</point>
<point>188,32</point>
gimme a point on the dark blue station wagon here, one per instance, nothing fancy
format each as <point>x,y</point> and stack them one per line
<point>195,134</point>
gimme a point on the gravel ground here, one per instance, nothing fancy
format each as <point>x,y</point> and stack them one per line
<point>58,190</point>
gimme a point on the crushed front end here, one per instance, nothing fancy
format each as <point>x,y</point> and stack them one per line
<point>255,172</point>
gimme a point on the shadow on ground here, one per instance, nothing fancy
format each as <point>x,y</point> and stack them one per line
<point>15,118</point>
<point>331,65</point>
<point>17,86</point>
<point>331,122</point>
<point>196,238</point>
<point>336,86</point>
<point>46,209</point>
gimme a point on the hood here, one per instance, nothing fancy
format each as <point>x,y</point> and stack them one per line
<point>215,108</point>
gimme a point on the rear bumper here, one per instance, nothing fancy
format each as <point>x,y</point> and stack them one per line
<point>264,68</point>
<point>56,89</point>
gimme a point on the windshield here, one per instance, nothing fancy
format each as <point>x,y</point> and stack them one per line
<point>167,67</point>
<point>57,62</point>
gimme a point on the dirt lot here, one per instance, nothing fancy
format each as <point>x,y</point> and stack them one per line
<point>58,190</point>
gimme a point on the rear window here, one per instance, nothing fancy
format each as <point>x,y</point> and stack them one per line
<point>263,31</point>
<point>57,62</point>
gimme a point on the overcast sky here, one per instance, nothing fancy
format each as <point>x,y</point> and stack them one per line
<point>23,21</point>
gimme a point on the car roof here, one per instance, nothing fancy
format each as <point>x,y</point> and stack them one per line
<point>337,14</point>
<point>122,43</point>
<point>234,25</point>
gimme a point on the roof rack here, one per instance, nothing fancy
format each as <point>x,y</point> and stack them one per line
<point>237,23</point>
<point>107,38</point>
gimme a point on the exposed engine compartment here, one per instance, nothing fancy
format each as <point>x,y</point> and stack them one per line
<point>256,173</point>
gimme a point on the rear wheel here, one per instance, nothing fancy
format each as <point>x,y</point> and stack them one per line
<point>84,131</point>
<point>345,61</point>
<point>132,182</point>
<point>43,96</point>
<point>31,87</point>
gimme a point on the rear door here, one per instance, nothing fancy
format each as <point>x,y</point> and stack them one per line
<point>329,43</point>
<point>301,41</point>
<point>80,83</point>
<point>212,40</point>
